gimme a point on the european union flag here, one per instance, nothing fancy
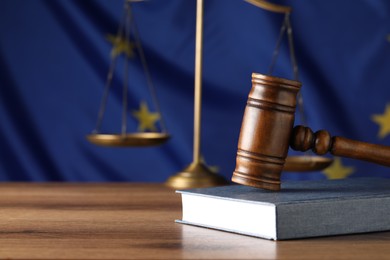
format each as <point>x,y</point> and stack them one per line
<point>55,56</point>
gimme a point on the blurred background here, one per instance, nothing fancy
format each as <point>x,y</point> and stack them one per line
<point>55,57</point>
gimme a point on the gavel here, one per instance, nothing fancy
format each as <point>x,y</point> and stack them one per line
<point>267,132</point>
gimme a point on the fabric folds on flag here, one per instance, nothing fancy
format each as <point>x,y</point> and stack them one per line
<point>55,56</point>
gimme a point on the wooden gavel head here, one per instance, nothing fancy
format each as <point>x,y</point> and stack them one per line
<point>265,132</point>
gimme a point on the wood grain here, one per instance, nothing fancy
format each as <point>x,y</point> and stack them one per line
<point>321,142</point>
<point>265,131</point>
<point>136,221</point>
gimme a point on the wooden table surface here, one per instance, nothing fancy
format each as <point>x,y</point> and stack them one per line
<point>136,221</point>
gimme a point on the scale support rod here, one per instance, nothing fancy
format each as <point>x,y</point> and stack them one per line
<point>198,80</point>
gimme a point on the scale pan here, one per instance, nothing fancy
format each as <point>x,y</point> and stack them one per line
<point>132,139</point>
<point>306,163</point>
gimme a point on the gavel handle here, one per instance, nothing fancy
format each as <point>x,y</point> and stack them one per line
<point>303,139</point>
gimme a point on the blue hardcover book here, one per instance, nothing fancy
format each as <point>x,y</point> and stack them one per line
<point>301,209</point>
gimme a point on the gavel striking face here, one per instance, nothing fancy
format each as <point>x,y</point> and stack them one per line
<point>267,131</point>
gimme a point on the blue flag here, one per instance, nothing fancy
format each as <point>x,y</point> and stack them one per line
<point>56,55</point>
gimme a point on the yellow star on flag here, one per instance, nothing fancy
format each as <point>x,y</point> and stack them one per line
<point>120,45</point>
<point>383,121</point>
<point>337,170</point>
<point>146,119</point>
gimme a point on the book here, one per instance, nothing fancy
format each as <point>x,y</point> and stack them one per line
<point>301,209</point>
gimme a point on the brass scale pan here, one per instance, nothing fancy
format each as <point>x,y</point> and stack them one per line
<point>125,139</point>
<point>128,139</point>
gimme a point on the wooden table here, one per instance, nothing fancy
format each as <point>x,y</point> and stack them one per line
<point>136,221</point>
